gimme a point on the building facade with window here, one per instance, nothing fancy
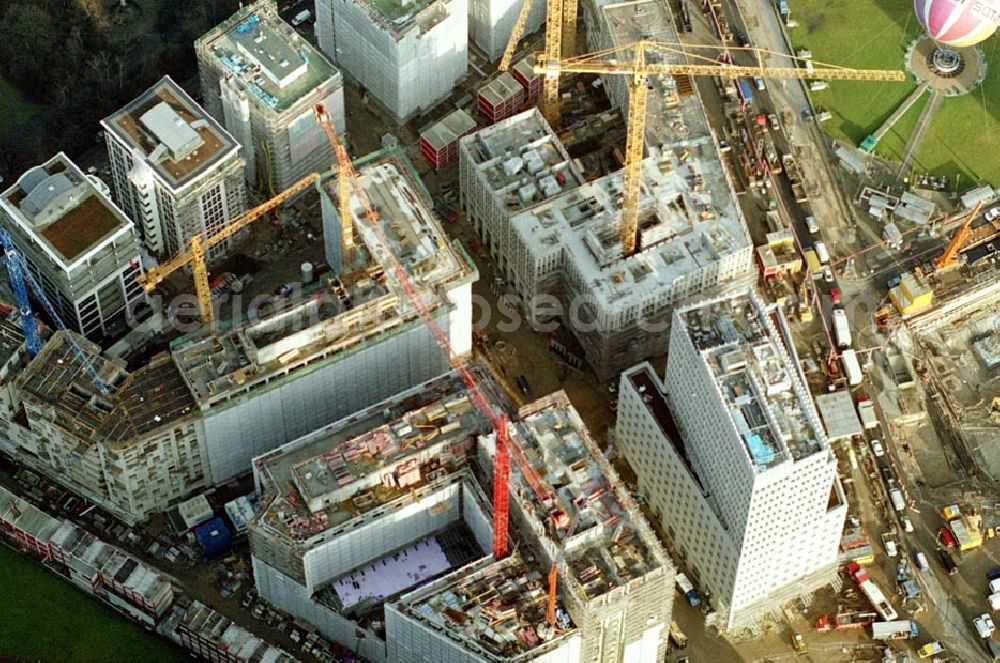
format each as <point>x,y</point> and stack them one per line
<point>78,244</point>
<point>733,459</point>
<point>176,171</point>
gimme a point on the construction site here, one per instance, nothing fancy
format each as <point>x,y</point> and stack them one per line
<point>378,530</point>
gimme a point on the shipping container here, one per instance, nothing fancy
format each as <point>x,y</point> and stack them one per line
<point>851,367</point>
<point>902,629</point>
<point>841,328</point>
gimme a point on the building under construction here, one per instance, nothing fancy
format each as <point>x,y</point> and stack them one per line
<point>378,531</point>
<point>261,80</point>
<point>198,415</point>
<point>555,237</point>
<point>408,55</point>
<point>176,171</point>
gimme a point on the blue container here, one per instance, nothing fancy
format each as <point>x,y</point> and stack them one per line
<point>214,538</point>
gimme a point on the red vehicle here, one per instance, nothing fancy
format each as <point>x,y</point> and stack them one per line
<point>835,296</point>
<point>947,539</point>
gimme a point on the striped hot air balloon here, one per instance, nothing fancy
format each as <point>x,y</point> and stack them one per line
<point>958,22</point>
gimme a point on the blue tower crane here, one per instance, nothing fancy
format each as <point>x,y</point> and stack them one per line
<point>19,277</point>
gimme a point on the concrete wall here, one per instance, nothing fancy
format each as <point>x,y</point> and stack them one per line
<point>491,22</point>
<point>274,414</point>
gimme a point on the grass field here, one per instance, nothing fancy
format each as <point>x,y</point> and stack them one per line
<point>14,108</point>
<point>964,136</point>
<point>45,619</point>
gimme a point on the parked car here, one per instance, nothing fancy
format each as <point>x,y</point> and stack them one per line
<point>835,296</point>
<point>993,573</point>
<point>947,538</point>
<point>811,225</point>
<point>984,625</point>
<point>922,563</point>
<point>992,214</point>
<point>522,384</point>
<point>877,448</point>
<point>759,83</point>
<point>772,120</point>
<point>906,522</point>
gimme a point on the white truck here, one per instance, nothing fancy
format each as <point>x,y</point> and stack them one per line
<point>841,328</point>
<point>901,629</point>
<point>896,496</point>
<point>866,411</point>
<point>852,369</point>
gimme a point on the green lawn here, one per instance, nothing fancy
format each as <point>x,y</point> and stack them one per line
<point>964,136</point>
<point>14,108</point>
<point>46,619</point>
<point>894,142</point>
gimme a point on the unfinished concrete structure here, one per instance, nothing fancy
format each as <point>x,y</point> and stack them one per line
<point>261,80</point>
<point>558,244</point>
<point>733,459</point>
<point>376,530</point>
<point>176,171</point>
<point>408,55</point>
<point>355,341</point>
<point>134,452</point>
<point>82,249</point>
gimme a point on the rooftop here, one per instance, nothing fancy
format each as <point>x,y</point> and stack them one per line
<point>334,475</point>
<point>26,516</point>
<point>223,633</point>
<point>452,127</point>
<point>496,609</point>
<point>611,545</point>
<point>688,220</point>
<point>143,401</point>
<point>399,16</point>
<point>344,312</point>
<point>522,161</point>
<point>267,56</point>
<point>178,139</point>
<point>62,209</point>
<point>770,406</point>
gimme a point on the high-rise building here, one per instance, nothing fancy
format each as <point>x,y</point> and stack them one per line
<point>261,79</point>
<point>408,55</point>
<point>491,22</point>
<point>733,459</point>
<point>78,244</point>
<point>176,171</point>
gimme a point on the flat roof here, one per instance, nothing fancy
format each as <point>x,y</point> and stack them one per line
<point>399,16</point>
<point>179,140</point>
<point>267,56</point>
<point>840,418</point>
<point>688,221</point>
<point>62,209</point>
<point>354,308</point>
<point>334,475</point>
<point>522,161</point>
<point>770,407</point>
<point>27,517</point>
<point>611,545</point>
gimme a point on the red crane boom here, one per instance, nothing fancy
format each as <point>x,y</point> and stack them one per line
<point>504,444</point>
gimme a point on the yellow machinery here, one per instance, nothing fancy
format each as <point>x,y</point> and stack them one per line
<point>647,58</point>
<point>949,258</point>
<point>195,255</point>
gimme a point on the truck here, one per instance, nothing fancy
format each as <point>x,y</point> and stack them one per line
<point>747,91</point>
<point>896,496</point>
<point>902,629</point>
<point>688,590</point>
<point>930,649</point>
<point>677,637</point>
<point>822,253</point>
<point>841,328</point>
<point>851,367</point>
<point>871,592</point>
<point>948,562</point>
<point>890,544</point>
<point>302,17</point>
<point>866,411</point>
<point>845,620</point>
<point>813,264</point>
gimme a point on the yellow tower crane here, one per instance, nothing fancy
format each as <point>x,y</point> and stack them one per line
<point>515,36</point>
<point>645,58</point>
<point>195,255</point>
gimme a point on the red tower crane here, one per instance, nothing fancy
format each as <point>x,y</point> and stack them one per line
<point>505,446</point>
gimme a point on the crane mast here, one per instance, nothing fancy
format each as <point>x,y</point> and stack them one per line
<point>949,258</point>
<point>505,446</point>
<point>515,36</point>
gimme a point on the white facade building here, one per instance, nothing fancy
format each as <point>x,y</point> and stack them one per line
<point>408,55</point>
<point>491,22</point>
<point>261,79</point>
<point>176,171</point>
<point>733,459</point>
<point>557,240</point>
<point>78,244</point>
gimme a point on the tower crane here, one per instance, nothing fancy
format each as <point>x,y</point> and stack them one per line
<point>644,58</point>
<point>195,255</point>
<point>515,36</point>
<point>19,274</point>
<point>505,445</point>
<point>949,258</point>
<point>553,570</point>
